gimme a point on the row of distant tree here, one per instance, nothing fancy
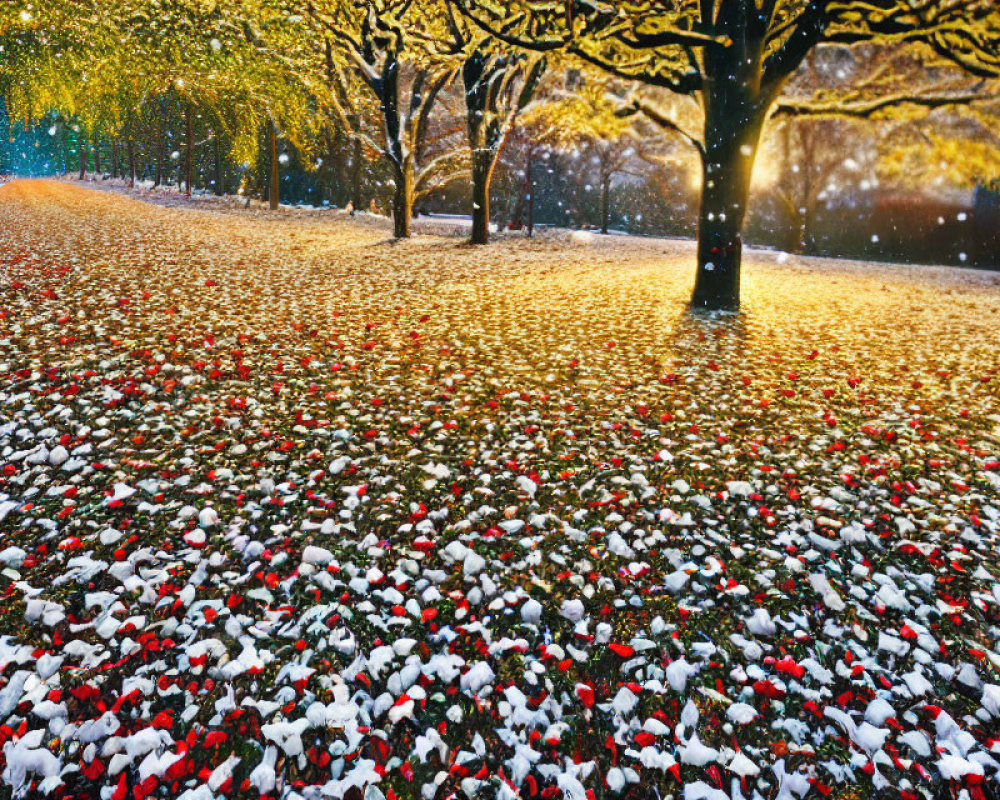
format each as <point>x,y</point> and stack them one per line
<point>813,201</point>
<point>411,101</point>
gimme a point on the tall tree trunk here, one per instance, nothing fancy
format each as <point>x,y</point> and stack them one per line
<point>275,183</point>
<point>402,202</point>
<point>356,174</point>
<point>529,190</point>
<point>332,166</point>
<point>605,203</point>
<point>219,177</point>
<point>161,146</point>
<point>130,149</point>
<point>189,137</point>
<point>97,158</point>
<point>114,159</point>
<point>733,125</point>
<point>483,162</point>
<point>82,148</point>
<point>65,149</point>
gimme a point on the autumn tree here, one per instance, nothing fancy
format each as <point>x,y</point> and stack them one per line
<point>385,44</point>
<point>592,124</point>
<point>540,131</point>
<point>116,67</point>
<point>498,83</point>
<point>735,57</point>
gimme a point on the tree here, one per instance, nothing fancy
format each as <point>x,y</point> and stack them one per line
<point>538,132</point>
<point>735,57</point>
<point>117,68</point>
<point>810,153</point>
<point>385,43</point>
<point>590,121</point>
<point>498,82</point>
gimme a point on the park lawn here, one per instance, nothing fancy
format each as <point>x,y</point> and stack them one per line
<point>288,507</point>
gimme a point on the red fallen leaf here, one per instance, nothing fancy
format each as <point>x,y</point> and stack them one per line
<point>93,770</point>
<point>623,650</point>
<point>788,666</point>
<point>85,692</point>
<point>768,689</point>
<point>163,720</point>
<point>122,789</point>
<point>644,738</point>
<point>812,707</point>
<point>215,738</point>
<point>210,283</point>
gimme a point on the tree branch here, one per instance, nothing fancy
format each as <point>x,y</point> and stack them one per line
<point>864,109</point>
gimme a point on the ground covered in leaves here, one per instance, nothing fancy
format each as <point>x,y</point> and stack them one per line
<point>288,510</point>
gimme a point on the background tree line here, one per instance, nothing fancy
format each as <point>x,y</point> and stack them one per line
<point>641,115</point>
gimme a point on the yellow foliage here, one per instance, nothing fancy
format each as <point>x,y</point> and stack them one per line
<point>957,161</point>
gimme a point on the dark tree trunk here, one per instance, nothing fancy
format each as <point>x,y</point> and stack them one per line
<point>356,174</point>
<point>733,127</point>
<point>333,167</point>
<point>605,203</point>
<point>114,159</point>
<point>82,146</point>
<point>274,196</point>
<point>97,158</point>
<point>130,150</point>
<point>219,177</point>
<point>529,191</point>
<point>161,148</point>
<point>483,162</point>
<point>189,140</point>
<point>65,149</point>
<point>402,202</point>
